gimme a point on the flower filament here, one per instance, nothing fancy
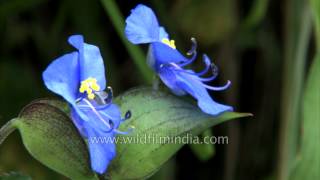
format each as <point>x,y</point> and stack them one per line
<point>178,67</point>
<point>89,86</point>
<point>100,102</point>
<point>169,43</point>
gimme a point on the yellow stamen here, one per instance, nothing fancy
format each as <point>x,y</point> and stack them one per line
<point>91,96</point>
<point>95,87</point>
<point>89,86</point>
<point>169,43</point>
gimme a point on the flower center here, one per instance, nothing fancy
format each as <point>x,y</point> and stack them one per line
<point>169,43</point>
<point>89,86</point>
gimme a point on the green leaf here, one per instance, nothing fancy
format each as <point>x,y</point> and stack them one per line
<point>298,32</point>
<point>14,176</point>
<point>315,7</point>
<point>156,114</point>
<point>309,156</point>
<point>50,137</point>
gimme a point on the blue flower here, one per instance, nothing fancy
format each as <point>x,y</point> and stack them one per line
<point>142,27</point>
<point>79,77</point>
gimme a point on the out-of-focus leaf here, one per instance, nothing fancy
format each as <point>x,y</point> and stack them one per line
<point>204,151</point>
<point>308,166</point>
<point>159,118</point>
<point>17,6</point>
<point>14,176</point>
<point>256,14</point>
<point>297,37</point>
<point>315,6</point>
<point>50,137</point>
<point>210,21</point>
<point>9,80</point>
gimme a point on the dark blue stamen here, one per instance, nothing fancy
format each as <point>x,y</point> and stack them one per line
<point>127,115</point>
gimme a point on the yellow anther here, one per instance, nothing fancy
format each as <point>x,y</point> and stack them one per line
<point>168,42</point>
<point>89,86</point>
<point>82,89</point>
<point>89,91</point>
<point>91,96</point>
<point>95,87</point>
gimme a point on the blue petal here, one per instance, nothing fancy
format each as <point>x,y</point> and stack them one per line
<point>168,77</point>
<point>113,113</point>
<point>99,117</point>
<point>91,62</point>
<point>164,54</point>
<point>100,124</point>
<point>78,122</point>
<point>101,151</point>
<point>62,76</point>
<point>100,138</point>
<point>163,34</point>
<point>195,88</point>
<point>142,25</point>
<point>192,85</point>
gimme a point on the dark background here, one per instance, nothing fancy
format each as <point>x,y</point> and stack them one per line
<point>246,46</point>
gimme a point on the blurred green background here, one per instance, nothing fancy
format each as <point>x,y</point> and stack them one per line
<point>264,47</point>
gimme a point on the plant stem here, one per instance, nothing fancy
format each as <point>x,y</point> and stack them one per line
<point>135,52</point>
<point>7,129</point>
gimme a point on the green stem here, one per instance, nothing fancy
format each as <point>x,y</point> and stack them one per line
<point>135,52</point>
<point>315,7</point>
<point>6,129</point>
<point>298,31</point>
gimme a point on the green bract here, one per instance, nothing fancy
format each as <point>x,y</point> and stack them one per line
<point>50,137</point>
